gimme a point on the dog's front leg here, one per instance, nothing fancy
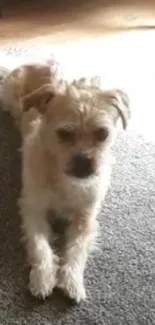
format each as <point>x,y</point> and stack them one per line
<point>80,236</point>
<point>43,261</point>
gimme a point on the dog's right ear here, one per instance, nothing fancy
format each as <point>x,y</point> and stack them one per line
<point>39,98</point>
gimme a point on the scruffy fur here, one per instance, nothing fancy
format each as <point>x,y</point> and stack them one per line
<point>61,123</point>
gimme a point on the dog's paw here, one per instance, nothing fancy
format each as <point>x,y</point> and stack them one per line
<point>71,282</point>
<point>42,281</point>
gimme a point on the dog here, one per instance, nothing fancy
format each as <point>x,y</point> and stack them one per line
<point>68,129</point>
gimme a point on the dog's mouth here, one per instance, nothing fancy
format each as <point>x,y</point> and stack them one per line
<point>80,174</point>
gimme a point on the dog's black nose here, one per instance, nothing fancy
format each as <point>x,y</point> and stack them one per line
<point>82,165</point>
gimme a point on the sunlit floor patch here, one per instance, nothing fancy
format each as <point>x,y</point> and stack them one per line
<point>126,60</point>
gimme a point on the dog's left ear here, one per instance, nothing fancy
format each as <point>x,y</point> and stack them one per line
<point>117,103</point>
<point>38,99</point>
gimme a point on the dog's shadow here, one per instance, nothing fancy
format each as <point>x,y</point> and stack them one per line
<point>13,268</point>
<point>11,253</point>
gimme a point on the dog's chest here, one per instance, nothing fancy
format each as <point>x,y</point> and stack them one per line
<point>71,197</point>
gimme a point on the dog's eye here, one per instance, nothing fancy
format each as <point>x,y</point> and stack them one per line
<point>66,135</point>
<point>101,134</point>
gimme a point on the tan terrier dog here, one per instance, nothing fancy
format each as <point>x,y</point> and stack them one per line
<point>68,130</point>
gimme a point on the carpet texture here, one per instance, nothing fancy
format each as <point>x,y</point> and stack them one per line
<point>120,275</point>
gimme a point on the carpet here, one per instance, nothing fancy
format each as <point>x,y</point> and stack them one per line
<point>120,275</point>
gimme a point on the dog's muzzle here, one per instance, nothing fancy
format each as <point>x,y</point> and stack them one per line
<point>81,166</point>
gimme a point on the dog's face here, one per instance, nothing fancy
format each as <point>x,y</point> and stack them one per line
<point>79,125</point>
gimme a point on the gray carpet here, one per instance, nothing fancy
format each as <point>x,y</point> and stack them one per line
<point>120,276</point>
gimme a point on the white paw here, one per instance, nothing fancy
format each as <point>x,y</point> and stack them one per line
<point>71,282</point>
<point>42,281</point>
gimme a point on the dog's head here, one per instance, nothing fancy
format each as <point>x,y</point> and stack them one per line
<point>79,124</point>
